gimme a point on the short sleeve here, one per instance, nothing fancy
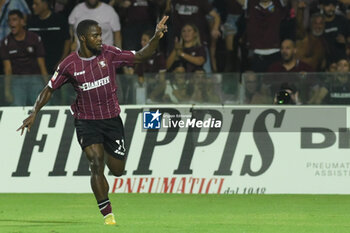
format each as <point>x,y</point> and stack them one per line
<point>115,22</point>
<point>201,52</point>
<point>72,18</point>
<point>59,78</point>
<point>121,57</point>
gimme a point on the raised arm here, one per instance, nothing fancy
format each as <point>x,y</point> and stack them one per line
<point>42,99</point>
<point>147,51</point>
<point>300,29</point>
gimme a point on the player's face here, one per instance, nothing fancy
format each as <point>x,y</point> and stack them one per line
<point>287,50</point>
<point>38,7</point>
<point>92,3</point>
<point>16,24</point>
<point>329,10</point>
<point>93,39</point>
<point>144,40</point>
<point>188,33</point>
<point>317,26</point>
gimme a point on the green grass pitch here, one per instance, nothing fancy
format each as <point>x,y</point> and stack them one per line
<point>163,213</point>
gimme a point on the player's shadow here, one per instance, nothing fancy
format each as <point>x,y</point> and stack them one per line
<point>45,222</point>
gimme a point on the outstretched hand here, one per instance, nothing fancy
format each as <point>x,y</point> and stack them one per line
<point>27,123</point>
<point>161,27</point>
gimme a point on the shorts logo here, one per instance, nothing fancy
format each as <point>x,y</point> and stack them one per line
<point>151,120</point>
<point>121,149</point>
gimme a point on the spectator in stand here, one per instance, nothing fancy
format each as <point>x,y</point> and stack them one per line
<point>22,53</point>
<point>188,51</point>
<point>332,67</point>
<point>255,91</point>
<point>6,6</point>
<point>203,89</point>
<point>50,26</point>
<point>234,10</point>
<point>289,62</point>
<point>176,89</point>
<point>173,90</point>
<point>136,16</point>
<point>311,45</point>
<point>338,90</point>
<point>65,7</point>
<point>194,12</point>
<point>264,18</point>
<point>155,64</point>
<point>337,30</point>
<point>104,14</point>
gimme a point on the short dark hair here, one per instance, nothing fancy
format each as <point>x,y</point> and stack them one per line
<point>291,40</point>
<point>84,26</point>
<point>16,12</point>
<point>50,3</point>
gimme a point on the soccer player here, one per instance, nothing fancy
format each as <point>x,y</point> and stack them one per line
<point>91,71</point>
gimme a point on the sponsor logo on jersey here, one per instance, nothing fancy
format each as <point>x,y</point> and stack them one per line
<point>92,85</point>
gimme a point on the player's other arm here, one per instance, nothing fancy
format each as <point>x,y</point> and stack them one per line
<point>42,99</point>
<point>147,51</point>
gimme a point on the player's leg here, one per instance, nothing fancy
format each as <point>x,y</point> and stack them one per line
<point>116,166</point>
<point>99,184</point>
<point>91,141</point>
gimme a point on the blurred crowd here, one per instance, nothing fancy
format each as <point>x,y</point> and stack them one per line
<point>204,37</point>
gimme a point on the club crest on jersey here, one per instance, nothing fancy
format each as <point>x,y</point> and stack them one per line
<point>102,63</point>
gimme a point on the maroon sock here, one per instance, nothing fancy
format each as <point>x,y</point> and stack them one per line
<point>105,207</point>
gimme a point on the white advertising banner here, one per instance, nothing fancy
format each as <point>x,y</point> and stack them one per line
<point>208,149</point>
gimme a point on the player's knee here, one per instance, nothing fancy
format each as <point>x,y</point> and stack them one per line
<point>96,166</point>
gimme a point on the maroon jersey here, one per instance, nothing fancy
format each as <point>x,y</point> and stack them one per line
<point>23,54</point>
<point>299,67</point>
<point>154,64</point>
<point>139,12</point>
<point>94,82</point>
<point>198,51</point>
<point>263,24</point>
